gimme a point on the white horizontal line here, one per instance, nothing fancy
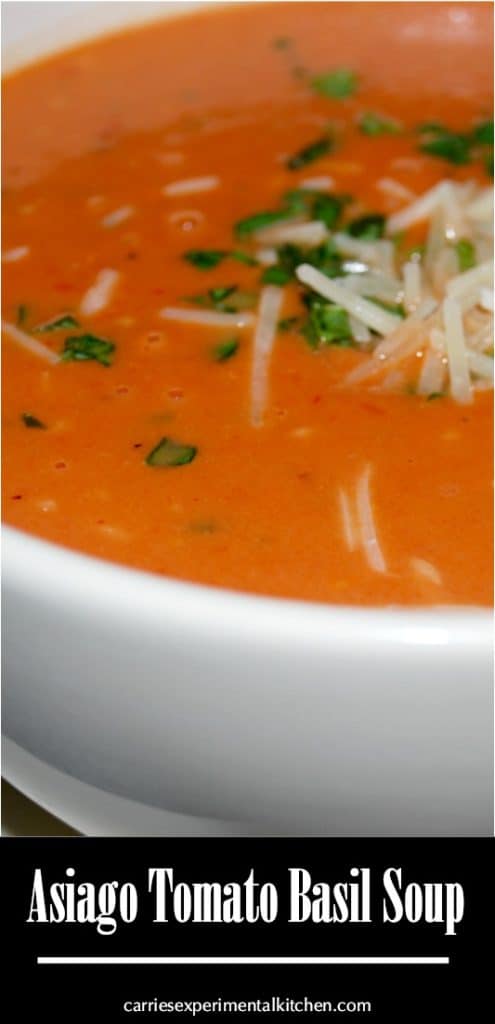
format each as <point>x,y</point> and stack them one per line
<point>243,960</point>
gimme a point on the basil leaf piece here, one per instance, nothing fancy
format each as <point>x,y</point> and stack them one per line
<point>337,85</point>
<point>276,275</point>
<point>369,228</point>
<point>375,125</point>
<point>225,350</point>
<point>214,298</point>
<point>169,453</point>
<point>323,206</point>
<point>61,323</point>
<point>224,299</point>
<point>438,141</point>
<point>257,221</point>
<point>32,421</point>
<point>483,133</point>
<point>324,257</point>
<point>205,259</point>
<point>308,154</point>
<point>87,346</point>
<point>328,208</point>
<point>243,257</point>
<point>466,254</point>
<point>327,324</point>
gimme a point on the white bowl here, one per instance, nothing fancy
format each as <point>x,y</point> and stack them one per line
<point>137,704</point>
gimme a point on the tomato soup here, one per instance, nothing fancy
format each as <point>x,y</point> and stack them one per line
<point>246,301</point>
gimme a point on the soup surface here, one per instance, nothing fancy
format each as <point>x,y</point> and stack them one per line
<point>231,447</point>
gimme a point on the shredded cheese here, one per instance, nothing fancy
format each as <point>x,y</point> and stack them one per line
<point>98,297</point>
<point>29,343</point>
<point>189,186</point>
<point>207,317</point>
<point>271,301</point>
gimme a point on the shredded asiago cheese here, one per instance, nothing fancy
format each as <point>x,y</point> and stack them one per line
<point>411,273</point>
<point>14,255</point>
<point>425,569</point>
<point>455,344</point>
<point>313,232</point>
<point>188,186</point>
<point>486,299</point>
<point>395,189</point>
<point>432,375</point>
<point>271,301</point>
<point>367,312</point>
<point>322,184</point>
<point>267,257</point>
<point>373,285</point>
<point>208,317</point>
<point>116,217</point>
<point>98,297</point>
<point>347,522</point>
<point>371,547</point>
<point>29,343</point>
<point>421,209</point>
<point>358,523</point>
<point>449,312</point>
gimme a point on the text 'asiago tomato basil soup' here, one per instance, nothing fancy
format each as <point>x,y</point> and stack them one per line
<point>248,303</point>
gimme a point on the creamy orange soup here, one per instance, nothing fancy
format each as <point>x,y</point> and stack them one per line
<point>155,172</point>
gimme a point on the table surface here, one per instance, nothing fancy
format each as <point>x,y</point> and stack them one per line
<point>22,817</point>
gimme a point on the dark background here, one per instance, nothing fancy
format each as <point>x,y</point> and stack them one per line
<point>398,993</point>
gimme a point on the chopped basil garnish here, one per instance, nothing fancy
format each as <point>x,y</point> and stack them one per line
<point>224,299</point>
<point>369,228</point>
<point>214,298</point>
<point>337,85</point>
<point>459,147</point>
<point>436,140</point>
<point>327,324</point>
<point>319,205</point>
<point>275,275</point>
<point>328,208</point>
<point>243,257</point>
<point>435,394</point>
<point>21,314</point>
<point>32,421</point>
<point>218,295</point>
<point>225,350</point>
<point>466,254</point>
<point>171,453</point>
<point>205,259</point>
<point>61,323</point>
<point>483,133</point>
<point>308,154</point>
<point>88,346</point>
<point>257,221</point>
<point>324,257</point>
<point>374,125</point>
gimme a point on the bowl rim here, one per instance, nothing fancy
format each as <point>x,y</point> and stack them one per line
<point>72,579</point>
<point>40,565</point>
